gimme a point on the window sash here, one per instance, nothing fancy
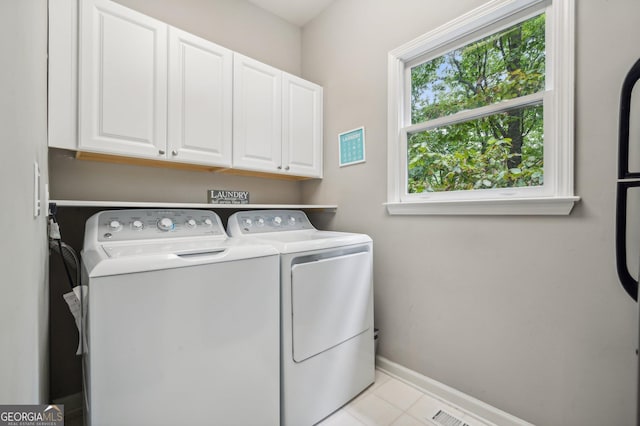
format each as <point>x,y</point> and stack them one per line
<point>548,189</point>
<point>472,114</point>
<point>498,27</point>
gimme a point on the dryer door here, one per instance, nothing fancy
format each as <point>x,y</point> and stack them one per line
<point>331,302</point>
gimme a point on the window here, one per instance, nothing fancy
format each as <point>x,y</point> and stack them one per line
<point>481,113</point>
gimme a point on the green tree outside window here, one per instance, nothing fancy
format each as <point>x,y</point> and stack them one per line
<point>501,150</point>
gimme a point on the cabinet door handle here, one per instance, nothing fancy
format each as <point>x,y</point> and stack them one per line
<point>287,168</point>
<point>279,167</point>
<point>161,151</point>
<point>174,152</point>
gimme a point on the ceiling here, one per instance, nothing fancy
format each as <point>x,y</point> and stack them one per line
<point>298,12</point>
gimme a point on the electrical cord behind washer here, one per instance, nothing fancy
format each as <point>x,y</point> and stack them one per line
<point>54,235</point>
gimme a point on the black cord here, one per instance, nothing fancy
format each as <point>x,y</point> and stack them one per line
<point>66,268</point>
<point>52,216</point>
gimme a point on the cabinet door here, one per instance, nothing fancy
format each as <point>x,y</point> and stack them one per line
<point>63,74</point>
<point>200,100</point>
<point>123,81</point>
<point>302,127</point>
<point>257,115</point>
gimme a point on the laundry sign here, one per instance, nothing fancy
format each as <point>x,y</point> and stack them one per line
<point>351,147</point>
<point>225,196</point>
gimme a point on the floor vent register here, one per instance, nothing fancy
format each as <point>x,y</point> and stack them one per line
<point>446,419</point>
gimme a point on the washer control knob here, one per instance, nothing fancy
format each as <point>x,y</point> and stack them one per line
<point>247,222</point>
<point>260,222</point>
<point>165,224</point>
<point>208,222</point>
<point>191,223</point>
<point>115,225</point>
<point>137,225</point>
<point>277,221</point>
<point>291,220</point>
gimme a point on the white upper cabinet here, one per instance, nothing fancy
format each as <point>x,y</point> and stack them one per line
<point>257,115</point>
<point>277,121</point>
<point>129,104</point>
<point>148,90</point>
<point>200,100</point>
<point>301,126</point>
<point>123,81</point>
<point>62,101</point>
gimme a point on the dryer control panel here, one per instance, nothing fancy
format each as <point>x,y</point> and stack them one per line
<point>263,221</point>
<point>143,224</point>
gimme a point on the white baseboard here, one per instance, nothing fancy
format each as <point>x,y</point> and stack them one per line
<point>470,405</point>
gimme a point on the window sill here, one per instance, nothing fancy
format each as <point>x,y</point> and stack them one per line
<point>513,206</point>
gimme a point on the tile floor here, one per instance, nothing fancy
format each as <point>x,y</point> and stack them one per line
<point>391,402</point>
<point>388,402</point>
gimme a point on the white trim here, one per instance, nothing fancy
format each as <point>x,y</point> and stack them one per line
<point>563,63</point>
<point>463,26</point>
<point>472,406</point>
<point>395,69</point>
<point>508,206</point>
<point>556,196</point>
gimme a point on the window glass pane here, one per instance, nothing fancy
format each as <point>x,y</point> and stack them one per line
<point>505,65</point>
<point>498,151</point>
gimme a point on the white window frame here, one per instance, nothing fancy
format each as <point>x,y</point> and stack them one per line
<point>556,196</point>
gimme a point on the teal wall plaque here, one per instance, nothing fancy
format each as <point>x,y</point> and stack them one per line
<point>351,147</point>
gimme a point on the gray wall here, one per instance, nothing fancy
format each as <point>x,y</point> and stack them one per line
<point>23,288</point>
<point>237,25</point>
<point>524,313</point>
<point>73,179</point>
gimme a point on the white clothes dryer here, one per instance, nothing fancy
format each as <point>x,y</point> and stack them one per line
<point>181,324</point>
<point>327,311</point>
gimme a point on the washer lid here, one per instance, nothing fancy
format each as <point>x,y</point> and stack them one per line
<point>116,259</point>
<point>150,248</point>
<point>312,239</point>
<point>290,231</point>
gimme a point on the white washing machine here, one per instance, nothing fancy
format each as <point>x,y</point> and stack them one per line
<point>327,311</point>
<point>181,323</point>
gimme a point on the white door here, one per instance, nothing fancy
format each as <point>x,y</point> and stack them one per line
<point>257,116</point>
<point>200,100</point>
<point>302,127</point>
<point>123,81</point>
<point>330,302</point>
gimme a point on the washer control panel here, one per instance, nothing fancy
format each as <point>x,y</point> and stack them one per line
<point>123,225</point>
<point>262,221</point>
